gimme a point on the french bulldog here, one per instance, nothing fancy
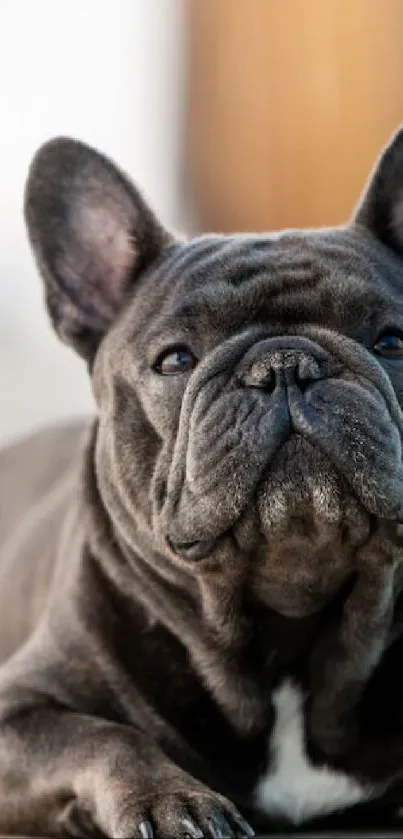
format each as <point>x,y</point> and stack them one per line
<point>200,589</point>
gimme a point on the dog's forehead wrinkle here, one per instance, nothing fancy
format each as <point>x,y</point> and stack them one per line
<point>290,282</point>
<point>208,258</point>
<point>347,285</point>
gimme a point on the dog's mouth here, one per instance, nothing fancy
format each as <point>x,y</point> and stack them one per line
<point>300,493</point>
<point>303,528</point>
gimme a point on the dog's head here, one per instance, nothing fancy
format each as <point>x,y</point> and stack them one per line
<point>249,387</point>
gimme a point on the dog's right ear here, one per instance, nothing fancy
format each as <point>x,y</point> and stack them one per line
<point>92,235</point>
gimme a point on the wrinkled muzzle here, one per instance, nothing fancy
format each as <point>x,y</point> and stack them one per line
<point>303,436</point>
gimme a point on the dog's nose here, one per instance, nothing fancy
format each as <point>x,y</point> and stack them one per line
<point>285,367</point>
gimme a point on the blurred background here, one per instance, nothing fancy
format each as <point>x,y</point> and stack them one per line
<point>229,114</point>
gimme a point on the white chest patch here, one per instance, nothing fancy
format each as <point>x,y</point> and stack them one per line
<point>294,789</point>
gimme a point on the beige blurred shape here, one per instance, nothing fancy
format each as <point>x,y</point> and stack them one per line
<point>289,102</point>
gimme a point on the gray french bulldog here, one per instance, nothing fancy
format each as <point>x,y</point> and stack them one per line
<point>200,592</point>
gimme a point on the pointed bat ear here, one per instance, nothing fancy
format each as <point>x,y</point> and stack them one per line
<point>92,235</point>
<point>381,208</point>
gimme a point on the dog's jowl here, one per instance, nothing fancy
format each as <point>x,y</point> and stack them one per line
<point>200,591</point>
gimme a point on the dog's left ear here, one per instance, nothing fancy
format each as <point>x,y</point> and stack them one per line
<point>381,207</point>
<point>92,234</point>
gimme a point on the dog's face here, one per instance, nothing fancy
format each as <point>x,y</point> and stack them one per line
<point>249,387</point>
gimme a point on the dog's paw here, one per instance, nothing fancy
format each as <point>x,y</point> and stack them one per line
<point>76,822</point>
<point>186,815</point>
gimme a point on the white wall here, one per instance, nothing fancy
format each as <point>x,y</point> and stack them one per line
<point>108,72</point>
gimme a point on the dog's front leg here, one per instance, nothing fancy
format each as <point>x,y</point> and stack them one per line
<point>68,773</point>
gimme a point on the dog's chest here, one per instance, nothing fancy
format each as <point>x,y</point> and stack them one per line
<point>294,789</point>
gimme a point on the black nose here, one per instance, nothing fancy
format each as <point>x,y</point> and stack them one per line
<point>285,367</point>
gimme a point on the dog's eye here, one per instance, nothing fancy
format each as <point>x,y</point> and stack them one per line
<point>389,346</point>
<point>174,361</point>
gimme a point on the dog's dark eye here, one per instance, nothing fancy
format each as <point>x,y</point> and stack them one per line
<point>389,346</point>
<point>174,361</point>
